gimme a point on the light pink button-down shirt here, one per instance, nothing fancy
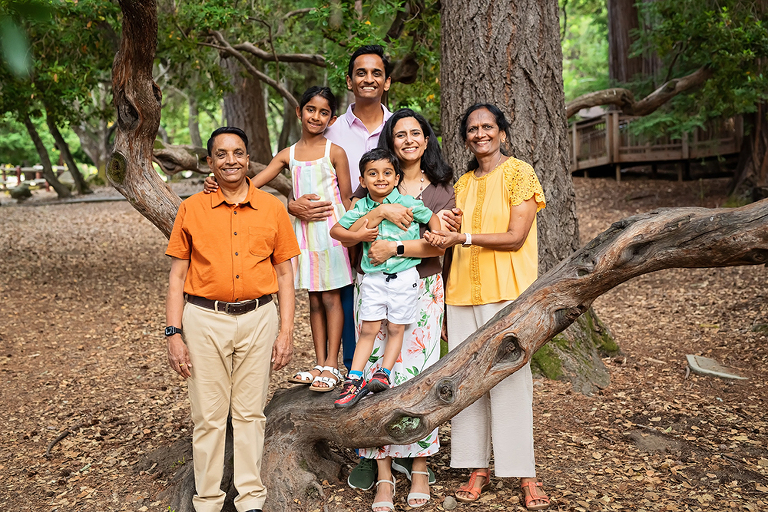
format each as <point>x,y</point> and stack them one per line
<point>350,133</point>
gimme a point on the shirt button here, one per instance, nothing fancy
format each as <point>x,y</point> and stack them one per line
<point>235,213</point>
<point>236,254</point>
<point>235,233</point>
<point>237,277</point>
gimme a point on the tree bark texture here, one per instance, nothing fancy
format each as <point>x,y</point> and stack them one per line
<point>245,108</point>
<point>622,19</point>
<point>77,177</point>
<point>300,422</point>
<point>193,123</point>
<point>61,190</point>
<point>137,100</point>
<point>509,54</point>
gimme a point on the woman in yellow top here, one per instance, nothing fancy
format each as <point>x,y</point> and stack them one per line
<point>494,259</point>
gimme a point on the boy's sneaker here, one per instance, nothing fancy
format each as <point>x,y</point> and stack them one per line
<point>351,393</point>
<point>379,382</point>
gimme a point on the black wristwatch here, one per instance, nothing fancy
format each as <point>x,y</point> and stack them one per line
<point>170,331</point>
<point>400,248</point>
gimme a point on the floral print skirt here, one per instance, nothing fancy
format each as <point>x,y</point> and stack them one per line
<point>421,349</point>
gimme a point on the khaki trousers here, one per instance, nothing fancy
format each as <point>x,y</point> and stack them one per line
<point>230,358</point>
<point>504,414</point>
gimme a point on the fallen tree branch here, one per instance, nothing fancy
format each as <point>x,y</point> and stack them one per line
<point>174,159</point>
<point>297,420</point>
<point>625,100</point>
<point>71,430</point>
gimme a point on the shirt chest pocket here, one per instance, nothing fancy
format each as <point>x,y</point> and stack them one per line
<point>261,241</point>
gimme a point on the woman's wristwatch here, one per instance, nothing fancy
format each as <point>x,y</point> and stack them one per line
<point>400,250</point>
<point>468,241</point>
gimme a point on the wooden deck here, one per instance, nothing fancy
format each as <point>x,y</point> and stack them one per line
<point>607,141</point>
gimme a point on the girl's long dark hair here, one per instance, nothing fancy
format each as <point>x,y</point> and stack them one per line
<point>501,122</point>
<point>432,162</point>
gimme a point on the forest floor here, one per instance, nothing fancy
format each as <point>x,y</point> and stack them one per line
<point>82,292</point>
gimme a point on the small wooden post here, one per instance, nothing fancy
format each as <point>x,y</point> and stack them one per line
<point>574,148</point>
<point>616,137</point>
<point>18,175</point>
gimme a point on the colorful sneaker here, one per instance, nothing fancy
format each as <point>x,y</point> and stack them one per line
<point>379,382</point>
<point>351,393</point>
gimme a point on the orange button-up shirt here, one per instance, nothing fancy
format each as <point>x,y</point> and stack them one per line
<point>232,248</point>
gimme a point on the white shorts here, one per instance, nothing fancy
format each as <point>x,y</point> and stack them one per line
<point>386,297</point>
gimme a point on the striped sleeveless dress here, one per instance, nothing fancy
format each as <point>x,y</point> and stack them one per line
<point>323,263</point>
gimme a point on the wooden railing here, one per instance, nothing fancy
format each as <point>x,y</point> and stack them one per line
<point>15,176</point>
<point>608,141</point>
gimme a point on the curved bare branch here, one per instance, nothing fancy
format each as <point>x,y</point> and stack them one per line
<point>227,48</point>
<point>625,100</point>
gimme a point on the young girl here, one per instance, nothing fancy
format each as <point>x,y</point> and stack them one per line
<point>317,167</point>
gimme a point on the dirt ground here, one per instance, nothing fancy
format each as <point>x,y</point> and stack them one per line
<point>82,356</point>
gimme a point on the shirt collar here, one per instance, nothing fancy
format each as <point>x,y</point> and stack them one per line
<point>217,198</point>
<point>393,197</point>
<point>350,116</point>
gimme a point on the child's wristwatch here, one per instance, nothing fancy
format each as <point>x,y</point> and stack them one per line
<point>400,248</point>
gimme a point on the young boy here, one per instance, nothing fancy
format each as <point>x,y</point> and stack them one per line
<point>388,291</point>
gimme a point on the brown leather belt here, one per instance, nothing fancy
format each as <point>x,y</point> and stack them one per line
<point>230,308</point>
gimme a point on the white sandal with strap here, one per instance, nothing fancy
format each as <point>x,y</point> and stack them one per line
<point>389,504</point>
<point>305,377</point>
<point>330,382</point>
<point>418,495</point>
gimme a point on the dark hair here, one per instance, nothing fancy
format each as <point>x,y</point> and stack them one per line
<point>323,92</point>
<point>432,162</point>
<point>377,154</point>
<point>368,49</point>
<point>501,122</point>
<point>227,129</point>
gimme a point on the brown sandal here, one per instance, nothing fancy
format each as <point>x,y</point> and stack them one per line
<point>533,495</point>
<point>470,488</point>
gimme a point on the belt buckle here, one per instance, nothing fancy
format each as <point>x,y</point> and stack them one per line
<point>237,307</point>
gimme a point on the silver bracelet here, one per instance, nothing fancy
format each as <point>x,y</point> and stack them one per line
<point>468,241</point>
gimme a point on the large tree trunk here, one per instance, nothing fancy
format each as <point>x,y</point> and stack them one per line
<point>61,190</point>
<point>95,137</point>
<point>509,54</point>
<point>137,100</point>
<point>750,180</point>
<point>80,184</point>
<point>622,19</point>
<point>193,123</point>
<point>245,108</point>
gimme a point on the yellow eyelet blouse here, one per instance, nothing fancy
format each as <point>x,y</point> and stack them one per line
<point>485,276</point>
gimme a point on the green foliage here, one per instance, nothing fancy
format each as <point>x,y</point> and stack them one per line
<point>729,37</point>
<point>14,43</point>
<point>584,30</point>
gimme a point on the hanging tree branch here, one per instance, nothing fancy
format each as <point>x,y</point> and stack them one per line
<point>625,100</point>
<point>227,48</point>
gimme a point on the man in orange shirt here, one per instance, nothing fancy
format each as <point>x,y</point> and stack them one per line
<point>230,251</point>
